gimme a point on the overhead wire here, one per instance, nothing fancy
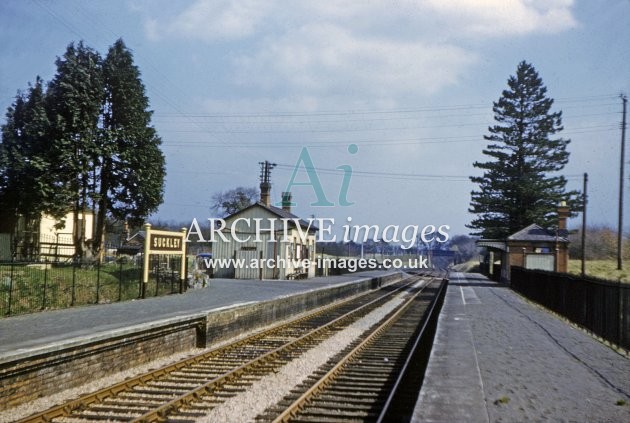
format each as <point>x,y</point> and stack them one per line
<point>380,111</point>
<point>254,125</point>
<point>406,114</point>
<point>364,143</point>
<point>373,174</point>
<point>154,88</point>
<point>189,117</point>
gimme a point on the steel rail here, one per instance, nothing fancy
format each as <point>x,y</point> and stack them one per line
<point>430,316</point>
<point>160,413</point>
<point>67,408</point>
<point>294,408</point>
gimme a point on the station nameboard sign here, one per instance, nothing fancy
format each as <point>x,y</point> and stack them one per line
<point>164,242</point>
<point>160,242</point>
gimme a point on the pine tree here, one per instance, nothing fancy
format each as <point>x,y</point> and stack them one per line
<point>517,187</point>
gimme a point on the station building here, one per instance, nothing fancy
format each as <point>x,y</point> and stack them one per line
<point>44,238</point>
<point>280,253</point>
<point>533,247</point>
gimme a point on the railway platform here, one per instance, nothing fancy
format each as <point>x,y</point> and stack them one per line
<point>31,332</point>
<point>498,357</point>
<point>77,345</point>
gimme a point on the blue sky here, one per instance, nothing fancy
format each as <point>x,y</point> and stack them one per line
<point>411,83</point>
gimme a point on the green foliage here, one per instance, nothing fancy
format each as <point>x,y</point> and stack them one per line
<point>516,188</point>
<point>30,288</point>
<point>126,132</point>
<point>73,104</point>
<point>86,140</point>
<point>502,400</point>
<point>26,183</point>
<point>601,269</point>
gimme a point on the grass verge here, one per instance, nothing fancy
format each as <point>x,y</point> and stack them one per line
<point>603,269</point>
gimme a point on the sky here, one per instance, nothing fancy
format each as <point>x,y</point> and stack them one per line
<point>400,92</point>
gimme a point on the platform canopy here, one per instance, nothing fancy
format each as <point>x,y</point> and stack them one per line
<point>495,244</point>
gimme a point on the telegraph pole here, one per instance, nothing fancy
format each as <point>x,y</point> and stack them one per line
<point>584,200</point>
<point>265,181</point>
<point>624,99</point>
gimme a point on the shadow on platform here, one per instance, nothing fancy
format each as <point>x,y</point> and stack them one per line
<point>478,281</point>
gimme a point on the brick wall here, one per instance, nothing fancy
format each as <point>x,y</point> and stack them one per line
<point>29,378</point>
<point>25,379</point>
<point>223,325</point>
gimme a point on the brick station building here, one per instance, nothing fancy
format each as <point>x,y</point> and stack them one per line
<point>533,247</point>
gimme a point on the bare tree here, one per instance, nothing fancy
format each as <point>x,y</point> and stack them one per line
<point>234,200</point>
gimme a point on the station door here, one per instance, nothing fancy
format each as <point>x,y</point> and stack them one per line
<point>246,271</point>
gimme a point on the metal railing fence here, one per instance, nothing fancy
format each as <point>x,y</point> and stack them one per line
<point>27,287</point>
<point>601,307</point>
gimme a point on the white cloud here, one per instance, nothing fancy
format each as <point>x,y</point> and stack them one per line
<point>213,20</point>
<point>374,48</point>
<point>330,60</point>
<point>505,17</point>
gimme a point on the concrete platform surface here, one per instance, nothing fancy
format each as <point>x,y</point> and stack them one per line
<point>500,358</point>
<point>30,331</point>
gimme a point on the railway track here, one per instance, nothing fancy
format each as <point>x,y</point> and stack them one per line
<point>185,390</point>
<point>370,380</point>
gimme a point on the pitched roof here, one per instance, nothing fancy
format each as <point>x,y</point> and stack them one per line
<point>133,245</point>
<point>534,232</point>
<point>141,235</point>
<point>281,213</point>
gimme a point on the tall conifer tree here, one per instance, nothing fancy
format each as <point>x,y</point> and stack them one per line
<point>75,97</point>
<point>26,185</point>
<point>85,144</point>
<point>131,164</point>
<point>519,185</point>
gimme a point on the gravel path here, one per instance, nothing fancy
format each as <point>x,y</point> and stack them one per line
<point>269,390</point>
<point>532,365</point>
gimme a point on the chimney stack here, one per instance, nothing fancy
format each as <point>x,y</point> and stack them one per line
<point>286,201</point>
<point>265,182</point>
<point>563,215</point>
<point>265,187</point>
